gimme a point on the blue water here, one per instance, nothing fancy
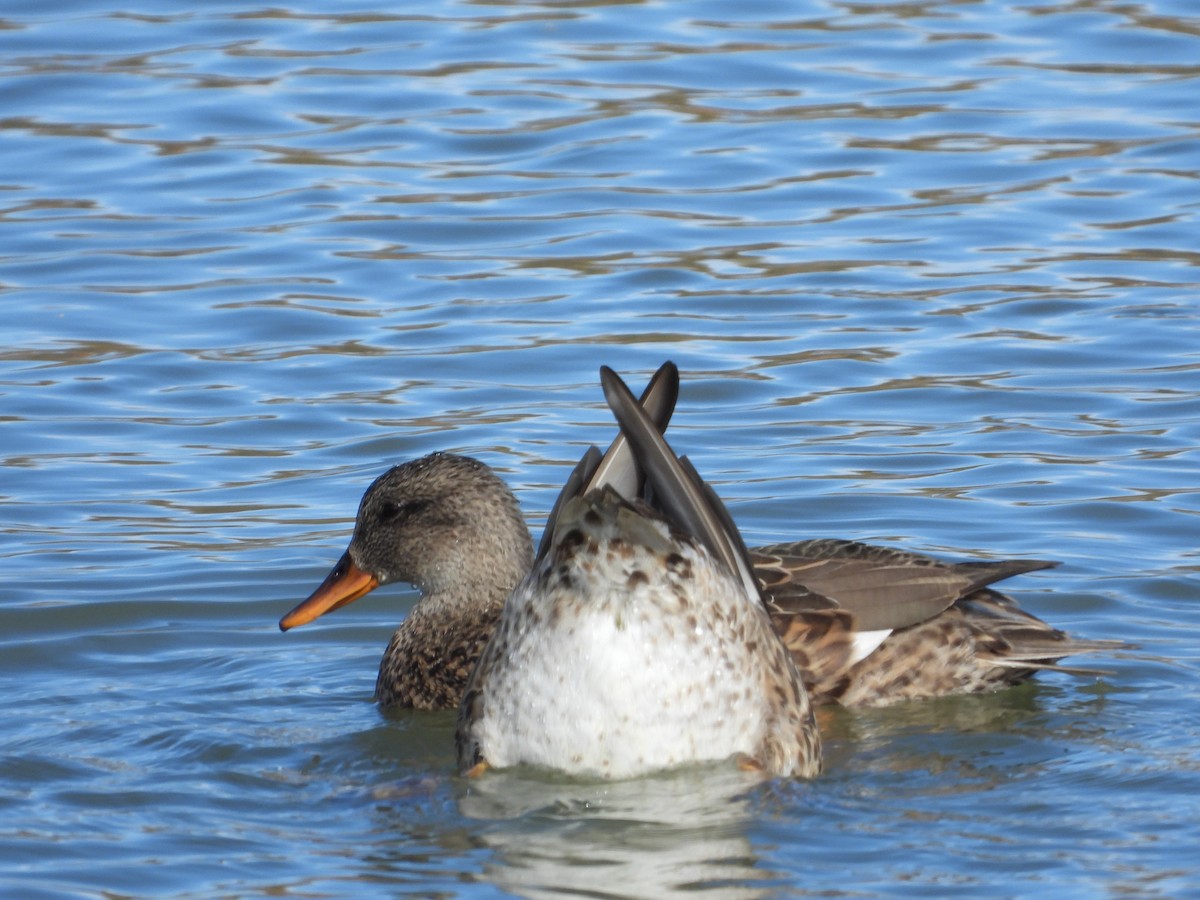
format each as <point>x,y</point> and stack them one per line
<point>930,272</point>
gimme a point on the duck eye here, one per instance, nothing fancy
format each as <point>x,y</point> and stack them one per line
<point>391,510</point>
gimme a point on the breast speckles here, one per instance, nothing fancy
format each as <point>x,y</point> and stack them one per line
<point>637,578</point>
<point>622,549</point>
<point>570,543</point>
<point>678,565</point>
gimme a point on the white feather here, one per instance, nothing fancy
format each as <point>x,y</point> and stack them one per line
<point>866,643</point>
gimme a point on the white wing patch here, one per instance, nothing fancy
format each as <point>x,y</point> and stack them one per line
<point>866,642</point>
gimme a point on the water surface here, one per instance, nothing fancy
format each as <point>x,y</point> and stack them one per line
<point>930,272</point>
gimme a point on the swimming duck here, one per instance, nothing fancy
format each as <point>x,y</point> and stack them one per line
<point>867,625</point>
<point>639,640</point>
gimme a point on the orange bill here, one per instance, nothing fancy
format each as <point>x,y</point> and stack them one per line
<point>345,584</point>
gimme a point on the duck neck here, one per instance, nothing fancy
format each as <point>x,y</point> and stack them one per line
<point>432,653</point>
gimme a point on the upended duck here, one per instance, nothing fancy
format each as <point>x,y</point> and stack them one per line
<point>639,640</point>
<point>865,625</point>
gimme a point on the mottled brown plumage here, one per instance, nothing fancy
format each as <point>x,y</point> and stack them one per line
<point>427,663</point>
<point>450,526</point>
<point>950,633</point>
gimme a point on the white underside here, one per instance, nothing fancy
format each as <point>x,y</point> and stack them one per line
<point>623,686</point>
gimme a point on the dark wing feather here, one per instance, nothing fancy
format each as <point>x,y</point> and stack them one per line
<point>617,467</point>
<point>883,588</point>
<point>678,490</point>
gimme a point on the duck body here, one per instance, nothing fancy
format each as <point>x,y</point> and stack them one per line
<point>639,641</point>
<point>629,649</point>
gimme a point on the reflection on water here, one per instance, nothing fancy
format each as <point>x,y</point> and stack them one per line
<point>668,836</point>
<point>929,270</point>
